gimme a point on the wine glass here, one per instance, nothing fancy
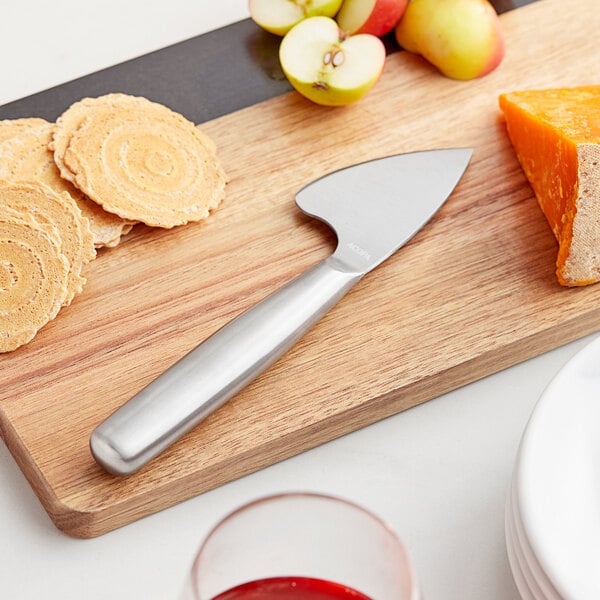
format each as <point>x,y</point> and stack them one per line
<point>312,546</point>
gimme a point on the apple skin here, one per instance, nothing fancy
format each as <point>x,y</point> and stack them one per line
<point>380,20</point>
<point>462,38</point>
<point>279,16</point>
<point>318,79</point>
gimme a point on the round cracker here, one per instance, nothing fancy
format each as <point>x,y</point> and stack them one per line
<point>60,211</point>
<point>33,278</point>
<point>26,157</point>
<point>10,214</point>
<point>139,160</point>
<point>11,127</point>
<point>101,107</point>
<point>69,122</point>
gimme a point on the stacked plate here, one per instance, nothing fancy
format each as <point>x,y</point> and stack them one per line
<point>553,507</point>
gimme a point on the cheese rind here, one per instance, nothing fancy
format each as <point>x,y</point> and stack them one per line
<point>556,136</point>
<point>582,264</point>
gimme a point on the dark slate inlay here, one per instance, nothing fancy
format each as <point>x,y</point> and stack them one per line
<point>203,78</point>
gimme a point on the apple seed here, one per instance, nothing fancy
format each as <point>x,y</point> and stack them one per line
<point>333,59</point>
<point>338,58</point>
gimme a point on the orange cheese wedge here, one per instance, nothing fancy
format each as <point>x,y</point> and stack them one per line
<point>556,136</point>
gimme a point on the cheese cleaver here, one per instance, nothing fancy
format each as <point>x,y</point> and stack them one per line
<point>374,208</point>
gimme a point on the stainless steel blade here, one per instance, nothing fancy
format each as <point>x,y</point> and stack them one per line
<point>374,207</point>
<point>377,206</point>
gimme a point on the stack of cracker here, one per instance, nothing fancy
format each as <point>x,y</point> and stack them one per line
<point>70,187</point>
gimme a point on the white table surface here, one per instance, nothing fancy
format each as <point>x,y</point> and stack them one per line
<point>437,473</point>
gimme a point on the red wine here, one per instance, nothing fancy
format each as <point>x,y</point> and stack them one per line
<point>291,588</point>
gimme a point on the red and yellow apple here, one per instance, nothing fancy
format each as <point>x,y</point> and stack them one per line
<point>279,16</point>
<point>462,38</point>
<point>376,17</point>
<point>329,66</point>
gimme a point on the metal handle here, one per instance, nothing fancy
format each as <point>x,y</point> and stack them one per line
<point>217,369</point>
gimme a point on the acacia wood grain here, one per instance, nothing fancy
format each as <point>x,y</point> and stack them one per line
<point>474,292</point>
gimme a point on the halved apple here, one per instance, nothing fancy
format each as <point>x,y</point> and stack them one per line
<point>377,17</point>
<point>327,65</point>
<point>279,16</point>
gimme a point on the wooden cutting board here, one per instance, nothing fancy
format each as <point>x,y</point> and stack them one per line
<point>471,294</point>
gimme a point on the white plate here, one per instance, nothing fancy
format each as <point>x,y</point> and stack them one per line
<point>539,584</point>
<point>558,478</point>
<point>514,559</point>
